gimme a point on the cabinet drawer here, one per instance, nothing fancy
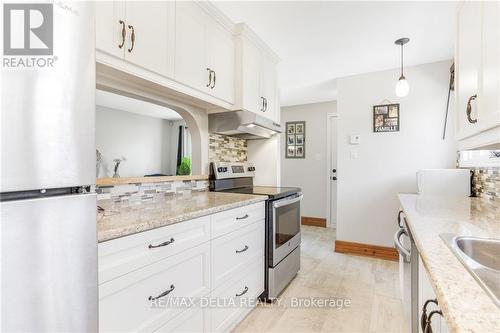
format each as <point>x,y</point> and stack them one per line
<point>125,305</point>
<point>252,279</point>
<point>231,253</point>
<point>120,256</point>
<point>192,320</point>
<point>231,220</point>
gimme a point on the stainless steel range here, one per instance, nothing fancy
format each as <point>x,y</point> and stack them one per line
<point>282,221</point>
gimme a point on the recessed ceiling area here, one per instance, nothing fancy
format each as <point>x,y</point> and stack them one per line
<point>319,41</point>
<point>137,106</point>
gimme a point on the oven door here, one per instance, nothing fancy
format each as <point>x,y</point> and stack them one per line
<point>286,227</point>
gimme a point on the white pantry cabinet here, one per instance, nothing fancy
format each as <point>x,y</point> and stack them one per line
<point>201,260</point>
<point>256,78</point>
<point>139,32</point>
<point>204,52</point>
<point>477,84</point>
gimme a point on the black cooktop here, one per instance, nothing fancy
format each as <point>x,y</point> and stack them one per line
<point>272,192</point>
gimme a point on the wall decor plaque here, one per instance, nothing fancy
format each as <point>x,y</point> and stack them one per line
<point>386,118</point>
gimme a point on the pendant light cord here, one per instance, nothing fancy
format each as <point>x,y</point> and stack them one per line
<point>402,60</point>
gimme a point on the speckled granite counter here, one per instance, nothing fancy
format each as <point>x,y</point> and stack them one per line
<point>122,219</point>
<point>466,306</point>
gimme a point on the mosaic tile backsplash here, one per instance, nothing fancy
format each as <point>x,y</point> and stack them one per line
<point>224,148</point>
<point>149,191</point>
<point>486,183</point>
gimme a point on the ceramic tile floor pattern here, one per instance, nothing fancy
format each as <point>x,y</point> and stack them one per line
<point>371,285</point>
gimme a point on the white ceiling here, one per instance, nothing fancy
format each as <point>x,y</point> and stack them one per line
<point>122,103</point>
<point>321,41</point>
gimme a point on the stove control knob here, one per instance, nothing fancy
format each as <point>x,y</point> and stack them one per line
<point>220,169</point>
<point>224,169</point>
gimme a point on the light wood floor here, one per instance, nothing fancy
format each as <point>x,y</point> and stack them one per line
<point>372,286</point>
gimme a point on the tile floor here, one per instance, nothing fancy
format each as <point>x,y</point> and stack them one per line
<point>372,286</point>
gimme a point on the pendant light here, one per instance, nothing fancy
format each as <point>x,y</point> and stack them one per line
<point>402,86</point>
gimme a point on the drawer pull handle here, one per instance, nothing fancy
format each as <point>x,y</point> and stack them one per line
<point>162,244</point>
<point>165,293</point>
<point>243,250</point>
<point>243,217</point>
<point>469,109</point>
<point>243,292</point>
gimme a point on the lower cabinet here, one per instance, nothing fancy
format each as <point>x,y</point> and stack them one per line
<point>192,279</point>
<point>428,304</point>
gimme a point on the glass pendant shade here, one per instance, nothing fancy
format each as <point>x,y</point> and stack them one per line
<point>402,87</point>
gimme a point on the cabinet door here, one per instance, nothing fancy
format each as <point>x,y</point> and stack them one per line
<point>467,65</point>
<point>425,292</point>
<point>153,23</point>
<point>109,28</point>
<point>190,45</point>
<point>268,88</point>
<point>489,113</point>
<point>251,68</point>
<point>221,55</point>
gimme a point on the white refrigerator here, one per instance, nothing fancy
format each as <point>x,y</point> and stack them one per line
<point>47,199</point>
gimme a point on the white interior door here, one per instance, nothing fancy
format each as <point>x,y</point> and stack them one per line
<point>332,170</point>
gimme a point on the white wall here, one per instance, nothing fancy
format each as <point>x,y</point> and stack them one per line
<point>146,143</point>
<point>264,155</point>
<point>309,173</point>
<point>387,162</point>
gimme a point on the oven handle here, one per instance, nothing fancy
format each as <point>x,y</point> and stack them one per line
<point>397,242</point>
<point>281,203</point>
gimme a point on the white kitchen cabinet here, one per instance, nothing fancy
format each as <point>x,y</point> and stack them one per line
<point>256,78</point>
<point>139,32</point>
<point>477,84</point>
<point>425,293</point>
<point>204,52</point>
<point>220,255</point>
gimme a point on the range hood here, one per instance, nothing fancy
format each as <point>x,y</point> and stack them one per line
<point>244,124</point>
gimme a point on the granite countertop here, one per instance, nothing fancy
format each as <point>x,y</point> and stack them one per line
<point>466,306</point>
<point>123,218</point>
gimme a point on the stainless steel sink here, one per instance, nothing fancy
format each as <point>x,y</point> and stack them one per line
<point>481,257</point>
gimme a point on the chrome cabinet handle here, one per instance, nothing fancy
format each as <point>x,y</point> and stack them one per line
<point>428,327</point>
<point>162,244</point>
<point>213,82</point>
<point>243,250</point>
<point>469,109</point>
<point>265,105</point>
<point>423,317</point>
<point>262,108</point>
<point>399,219</point>
<point>243,292</point>
<point>397,243</point>
<point>209,77</point>
<point>124,34</point>
<point>163,294</point>
<point>132,38</point>
<point>243,217</point>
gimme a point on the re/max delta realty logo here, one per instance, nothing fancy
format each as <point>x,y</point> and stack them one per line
<point>28,35</point>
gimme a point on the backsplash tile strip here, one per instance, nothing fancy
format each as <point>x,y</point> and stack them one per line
<point>224,148</point>
<point>486,183</point>
<point>149,191</point>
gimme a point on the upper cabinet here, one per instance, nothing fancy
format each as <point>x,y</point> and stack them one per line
<point>193,50</point>
<point>477,62</point>
<point>204,52</point>
<point>256,78</point>
<point>139,32</point>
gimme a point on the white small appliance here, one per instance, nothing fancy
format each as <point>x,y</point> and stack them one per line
<point>448,182</point>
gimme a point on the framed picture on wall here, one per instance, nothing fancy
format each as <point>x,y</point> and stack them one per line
<point>386,118</point>
<point>295,139</point>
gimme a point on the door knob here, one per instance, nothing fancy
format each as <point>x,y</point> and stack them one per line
<point>334,170</point>
<point>334,178</point>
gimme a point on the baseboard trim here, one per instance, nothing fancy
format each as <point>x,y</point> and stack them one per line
<point>313,221</point>
<point>367,250</point>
